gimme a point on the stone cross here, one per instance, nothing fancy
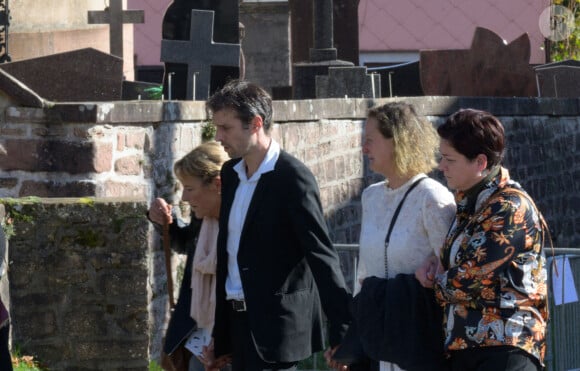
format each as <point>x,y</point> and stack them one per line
<point>200,53</point>
<point>115,16</point>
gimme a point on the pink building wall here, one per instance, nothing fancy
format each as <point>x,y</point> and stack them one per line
<point>407,26</point>
<point>395,30</point>
<point>147,36</point>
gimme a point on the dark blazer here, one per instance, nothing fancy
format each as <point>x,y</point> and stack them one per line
<point>181,325</point>
<point>288,266</point>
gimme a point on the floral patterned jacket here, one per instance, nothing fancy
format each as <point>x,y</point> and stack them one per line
<point>494,288</point>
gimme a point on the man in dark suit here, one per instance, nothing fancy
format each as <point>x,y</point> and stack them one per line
<point>276,267</point>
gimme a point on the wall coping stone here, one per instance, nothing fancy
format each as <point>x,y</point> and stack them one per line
<point>287,110</point>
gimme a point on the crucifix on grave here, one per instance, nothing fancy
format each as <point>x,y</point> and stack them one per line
<point>200,53</point>
<point>115,17</point>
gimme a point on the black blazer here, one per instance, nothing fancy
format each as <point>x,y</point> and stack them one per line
<point>288,266</point>
<point>181,325</point>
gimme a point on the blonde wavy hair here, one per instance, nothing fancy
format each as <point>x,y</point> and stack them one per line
<point>415,139</point>
<point>204,161</point>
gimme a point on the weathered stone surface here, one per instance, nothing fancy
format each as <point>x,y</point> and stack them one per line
<point>488,68</point>
<point>54,189</point>
<point>56,155</point>
<point>76,76</point>
<point>559,79</point>
<point>14,92</point>
<point>70,314</point>
<point>344,82</point>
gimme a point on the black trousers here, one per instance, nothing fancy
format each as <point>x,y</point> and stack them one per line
<point>494,358</point>
<point>5,360</point>
<point>244,354</point>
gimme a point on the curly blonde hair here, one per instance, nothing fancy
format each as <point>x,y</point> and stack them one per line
<point>415,139</point>
<point>204,161</point>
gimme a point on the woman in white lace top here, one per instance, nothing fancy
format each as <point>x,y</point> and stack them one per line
<point>401,146</point>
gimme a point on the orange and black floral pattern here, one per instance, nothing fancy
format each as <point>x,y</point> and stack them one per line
<point>494,288</point>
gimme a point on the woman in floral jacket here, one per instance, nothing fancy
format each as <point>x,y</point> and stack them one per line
<point>491,278</point>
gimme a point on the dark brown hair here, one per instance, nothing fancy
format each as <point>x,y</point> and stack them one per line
<point>472,132</point>
<point>246,99</point>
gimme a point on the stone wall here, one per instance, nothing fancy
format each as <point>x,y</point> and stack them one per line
<point>128,148</point>
<point>82,280</point>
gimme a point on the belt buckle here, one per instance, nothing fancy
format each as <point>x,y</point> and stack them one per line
<point>238,305</point>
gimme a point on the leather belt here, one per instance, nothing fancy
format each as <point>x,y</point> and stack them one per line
<point>238,305</point>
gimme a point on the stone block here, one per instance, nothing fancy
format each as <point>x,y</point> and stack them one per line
<point>56,155</point>
<point>54,189</point>
<point>559,79</point>
<point>76,76</point>
<point>128,165</point>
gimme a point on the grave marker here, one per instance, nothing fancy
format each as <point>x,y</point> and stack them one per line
<point>489,68</point>
<point>200,53</point>
<point>80,75</point>
<point>177,26</point>
<point>115,16</point>
<point>559,79</point>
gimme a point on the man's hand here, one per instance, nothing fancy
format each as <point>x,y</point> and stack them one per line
<point>210,362</point>
<point>332,363</point>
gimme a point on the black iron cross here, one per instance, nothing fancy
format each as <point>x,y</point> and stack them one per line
<point>115,16</point>
<point>200,53</point>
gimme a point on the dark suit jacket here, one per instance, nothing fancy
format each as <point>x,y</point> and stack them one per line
<point>287,263</point>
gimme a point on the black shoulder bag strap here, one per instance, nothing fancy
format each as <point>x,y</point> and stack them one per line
<point>394,219</point>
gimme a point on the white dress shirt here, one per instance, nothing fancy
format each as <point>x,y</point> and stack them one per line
<point>240,205</point>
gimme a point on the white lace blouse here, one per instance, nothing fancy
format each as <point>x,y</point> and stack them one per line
<point>418,232</point>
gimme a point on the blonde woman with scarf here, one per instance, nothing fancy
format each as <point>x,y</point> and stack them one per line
<point>192,321</point>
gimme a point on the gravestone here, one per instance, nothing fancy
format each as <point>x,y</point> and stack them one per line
<point>345,30</point>
<point>559,79</point>
<point>177,26</point>
<point>323,57</point>
<point>348,81</point>
<point>80,75</point>
<point>115,16</point>
<point>14,93</point>
<point>488,68</point>
<point>200,53</point>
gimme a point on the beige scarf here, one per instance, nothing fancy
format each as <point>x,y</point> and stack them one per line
<point>203,275</point>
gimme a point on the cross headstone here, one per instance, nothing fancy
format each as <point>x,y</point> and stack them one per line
<point>177,26</point>
<point>559,79</point>
<point>200,53</point>
<point>115,16</point>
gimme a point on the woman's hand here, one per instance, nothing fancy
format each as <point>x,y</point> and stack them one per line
<point>160,212</point>
<point>426,273</point>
